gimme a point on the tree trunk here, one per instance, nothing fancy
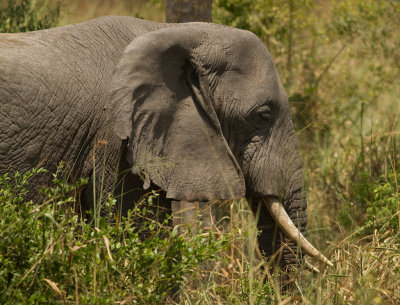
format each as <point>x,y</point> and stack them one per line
<point>188,10</point>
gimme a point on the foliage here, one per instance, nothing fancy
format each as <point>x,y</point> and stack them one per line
<point>78,11</point>
<point>48,254</point>
<point>383,210</point>
<point>27,15</point>
<point>13,192</point>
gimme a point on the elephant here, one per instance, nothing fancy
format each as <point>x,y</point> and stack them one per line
<point>194,109</point>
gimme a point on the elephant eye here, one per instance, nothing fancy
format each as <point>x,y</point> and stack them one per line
<point>265,115</point>
<point>261,116</point>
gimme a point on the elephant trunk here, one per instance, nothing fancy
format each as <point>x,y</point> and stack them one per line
<point>294,203</point>
<point>285,209</point>
<point>290,216</point>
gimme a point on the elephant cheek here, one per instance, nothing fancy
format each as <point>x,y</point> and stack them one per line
<point>263,175</point>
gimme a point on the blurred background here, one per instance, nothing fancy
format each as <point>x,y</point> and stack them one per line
<point>74,11</point>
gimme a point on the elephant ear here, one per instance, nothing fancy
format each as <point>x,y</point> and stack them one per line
<point>161,101</point>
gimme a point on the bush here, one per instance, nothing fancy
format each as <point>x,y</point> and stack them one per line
<point>26,15</point>
<point>384,209</point>
<point>48,254</point>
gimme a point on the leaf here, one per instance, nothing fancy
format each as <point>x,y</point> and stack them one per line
<point>107,243</point>
<point>53,286</point>
<point>76,248</point>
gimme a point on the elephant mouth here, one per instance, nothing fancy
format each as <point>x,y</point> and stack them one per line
<point>285,223</point>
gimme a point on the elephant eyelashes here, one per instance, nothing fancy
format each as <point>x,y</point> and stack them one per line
<point>260,117</point>
<point>265,115</point>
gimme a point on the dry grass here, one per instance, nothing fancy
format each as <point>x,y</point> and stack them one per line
<point>366,271</point>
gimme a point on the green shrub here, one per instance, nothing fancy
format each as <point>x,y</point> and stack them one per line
<point>384,209</point>
<point>48,254</point>
<point>374,204</point>
<point>27,15</point>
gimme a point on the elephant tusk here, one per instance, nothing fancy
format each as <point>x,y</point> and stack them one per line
<point>283,220</point>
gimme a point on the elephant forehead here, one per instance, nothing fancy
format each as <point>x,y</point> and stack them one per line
<point>248,52</point>
<point>254,78</point>
<point>249,87</point>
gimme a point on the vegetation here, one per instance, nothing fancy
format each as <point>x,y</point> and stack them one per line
<point>74,11</point>
<point>26,15</point>
<point>49,255</point>
<point>339,62</point>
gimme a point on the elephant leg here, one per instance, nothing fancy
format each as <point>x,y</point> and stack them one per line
<point>195,214</point>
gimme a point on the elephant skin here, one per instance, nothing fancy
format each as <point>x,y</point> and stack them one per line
<point>196,109</point>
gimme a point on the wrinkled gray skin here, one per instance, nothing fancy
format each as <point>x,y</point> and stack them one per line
<point>197,109</point>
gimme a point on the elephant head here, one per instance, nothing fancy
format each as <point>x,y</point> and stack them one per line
<point>206,117</point>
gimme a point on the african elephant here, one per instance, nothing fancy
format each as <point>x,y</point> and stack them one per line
<point>195,109</point>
